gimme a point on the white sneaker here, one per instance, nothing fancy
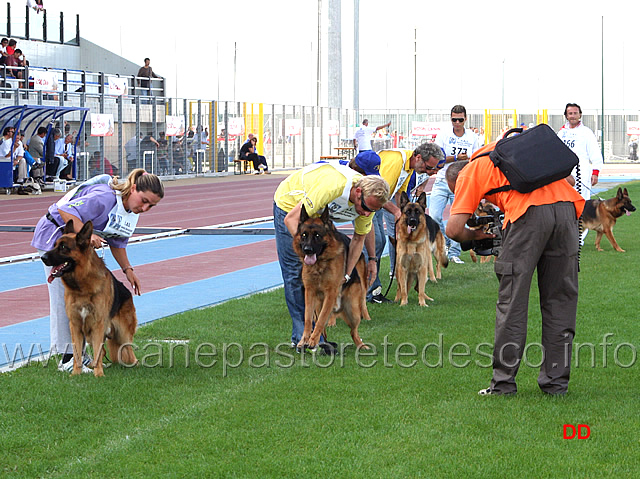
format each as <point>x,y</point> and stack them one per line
<point>68,366</point>
<point>456,260</point>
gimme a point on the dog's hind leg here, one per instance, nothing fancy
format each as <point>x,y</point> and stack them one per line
<point>598,239</point>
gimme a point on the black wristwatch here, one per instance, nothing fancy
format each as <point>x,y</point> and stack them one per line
<point>373,258</point>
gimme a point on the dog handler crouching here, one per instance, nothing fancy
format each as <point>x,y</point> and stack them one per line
<point>540,233</point>
<point>349,196</point>
<point>113,207</point>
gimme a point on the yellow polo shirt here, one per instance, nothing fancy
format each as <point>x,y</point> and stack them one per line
<point>317,187</point>
<point>391,165</point>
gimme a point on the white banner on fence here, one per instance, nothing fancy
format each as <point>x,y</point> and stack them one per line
<point>333,127</point>
<point>633,128</point>
<point>101,124</point>
<point>423,128</point>
<point>44,80</point>
<point>236,126</point>
<point>293,126</point>
<point>174,125</point>
<point>117,86</point>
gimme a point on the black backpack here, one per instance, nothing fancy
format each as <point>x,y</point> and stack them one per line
<point>531,159</point>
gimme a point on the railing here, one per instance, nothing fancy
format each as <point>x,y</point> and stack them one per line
<point>47,26</point>
<point>289,136</point>
<point>75,81</point>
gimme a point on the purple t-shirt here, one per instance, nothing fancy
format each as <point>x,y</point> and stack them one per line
<point>92,202</point>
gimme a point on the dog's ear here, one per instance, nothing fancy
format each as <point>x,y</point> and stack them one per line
<point>325,215</point>
<point>625,192</point>
<point>68,228</point>
<point>619,194</point>
<point>404,199</point>
<point>303,214</point>
<point>422,200</point>
<point>83,238</point>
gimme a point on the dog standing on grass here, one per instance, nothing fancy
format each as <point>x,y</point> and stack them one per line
<point>418,236</point>
<point>99,306</point>
<point>601,216</point>
<point>323,252</point>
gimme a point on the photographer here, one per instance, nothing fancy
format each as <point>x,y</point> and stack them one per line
<point>540,232</point>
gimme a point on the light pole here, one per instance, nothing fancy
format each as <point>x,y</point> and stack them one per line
<point>503,60</point>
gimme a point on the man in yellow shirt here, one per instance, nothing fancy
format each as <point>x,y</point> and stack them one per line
<point>349,197</point>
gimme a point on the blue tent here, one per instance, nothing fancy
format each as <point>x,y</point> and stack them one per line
<point>29,118</point>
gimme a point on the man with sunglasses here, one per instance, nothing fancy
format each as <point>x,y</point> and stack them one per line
<point>458,143</point>
<point>396,167</point>
<point>349,195</point>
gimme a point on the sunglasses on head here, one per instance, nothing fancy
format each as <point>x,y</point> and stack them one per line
<point>363,204</point>
<point>460,120</point>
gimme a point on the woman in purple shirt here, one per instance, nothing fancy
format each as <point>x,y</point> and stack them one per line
<point>113,206</point>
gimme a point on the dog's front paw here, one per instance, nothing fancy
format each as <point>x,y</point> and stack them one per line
<point>303,342</point>
<point>313,341</point>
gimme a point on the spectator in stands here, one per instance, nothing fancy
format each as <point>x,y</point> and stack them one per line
<point>163,153</point>
<point>20,170</point>
<point>147,72</point>
<point>6,143</point>
<point>149,144</point>
<point>36,150</point>
<point>16,60</point>
<point>36,5</point>
<point>131,151</point>
<point>11,46</point>
<point>96,166</point>
<point>65,154</point>
<point>248,153</point>
<point>3,50</point>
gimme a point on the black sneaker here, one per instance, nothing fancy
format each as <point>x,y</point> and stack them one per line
<point>379,299</point>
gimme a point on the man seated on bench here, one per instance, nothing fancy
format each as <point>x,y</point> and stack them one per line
<point>248,153</point>
<point>63,151</point>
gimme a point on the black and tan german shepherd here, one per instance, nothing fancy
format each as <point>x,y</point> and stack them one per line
<point>485,208</point>
<point>99,306</point>
<point>323,252</point>
<point>418,236</point>
<point>601,216</point>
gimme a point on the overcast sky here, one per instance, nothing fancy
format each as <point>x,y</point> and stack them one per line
<point>550,51</point>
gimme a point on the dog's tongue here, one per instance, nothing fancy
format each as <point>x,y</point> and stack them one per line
<point>52,274</point>
<point>310,259</point>
<point>628,213</point>
<point>410,229</point>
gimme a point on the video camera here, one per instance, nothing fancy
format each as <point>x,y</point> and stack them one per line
<point>491,224</point>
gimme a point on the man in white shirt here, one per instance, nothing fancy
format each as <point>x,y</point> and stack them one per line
<point>583,143</point>
<point>362,137</point>
<point>458,143</point>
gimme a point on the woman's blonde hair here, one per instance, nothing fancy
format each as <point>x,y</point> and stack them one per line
<point>144,182</point>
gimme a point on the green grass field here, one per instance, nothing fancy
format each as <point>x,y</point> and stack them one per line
<point>220,393</point>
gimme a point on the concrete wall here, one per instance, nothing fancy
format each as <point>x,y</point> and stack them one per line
<point>88,56</point>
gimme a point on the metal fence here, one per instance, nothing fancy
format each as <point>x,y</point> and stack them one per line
<point>289,136</point>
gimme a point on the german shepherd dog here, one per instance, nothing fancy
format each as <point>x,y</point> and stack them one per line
<point>323,252</point>
<point>418,236</point>
<point>99,306</point>
<point>601,216</point>
<point>485,208</point>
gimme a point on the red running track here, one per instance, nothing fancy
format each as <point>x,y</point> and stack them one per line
<point>187,204</point>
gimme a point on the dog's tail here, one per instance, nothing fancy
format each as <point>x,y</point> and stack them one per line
<point>441,249</point>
